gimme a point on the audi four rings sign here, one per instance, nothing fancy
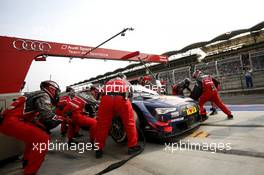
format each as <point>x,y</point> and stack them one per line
<point>21,44</point>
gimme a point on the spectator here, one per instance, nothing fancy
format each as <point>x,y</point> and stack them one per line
<point>248,76</point>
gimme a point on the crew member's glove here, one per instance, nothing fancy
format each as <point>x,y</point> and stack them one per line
<point>58,118</point>
<point>62,119</point>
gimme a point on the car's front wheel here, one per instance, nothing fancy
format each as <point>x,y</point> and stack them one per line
<point>117,130</point>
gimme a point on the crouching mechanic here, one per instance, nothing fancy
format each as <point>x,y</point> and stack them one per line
<point>30,119</point>
<point>73,108</point>
<point>70,93</point>
<point>209,93</point>
<point>181,86</point>
<point>115,102</point>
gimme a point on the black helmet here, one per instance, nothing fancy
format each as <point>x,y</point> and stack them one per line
<point>121,75</point>
<point>69,89</point>
<point>52,89</point>
<point>187,82</point>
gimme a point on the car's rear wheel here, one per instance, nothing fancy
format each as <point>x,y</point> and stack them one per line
<point>117,130</point>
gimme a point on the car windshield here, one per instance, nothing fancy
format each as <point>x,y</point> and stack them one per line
<point>141,91</point>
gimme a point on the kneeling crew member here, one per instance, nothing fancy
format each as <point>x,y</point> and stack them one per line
<point>64,100</point>
<point>74,109</point>
<point>181,86</point>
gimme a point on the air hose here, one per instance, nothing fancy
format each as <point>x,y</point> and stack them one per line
<point>122,162</point>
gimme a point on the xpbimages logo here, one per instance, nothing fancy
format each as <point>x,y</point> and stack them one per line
<point>62,146</point>
<point>131,88</point>
<point>191,146</point>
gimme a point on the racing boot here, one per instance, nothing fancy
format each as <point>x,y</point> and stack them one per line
<point>230,117</point>
<point>98,154</point>
<point>214,111</point>
<point>24,163</point>
<point>134,150</point>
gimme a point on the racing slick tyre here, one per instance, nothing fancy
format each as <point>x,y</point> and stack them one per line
<point>117,131</point>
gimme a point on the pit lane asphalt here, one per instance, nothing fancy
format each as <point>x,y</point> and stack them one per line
<point>244,134</point>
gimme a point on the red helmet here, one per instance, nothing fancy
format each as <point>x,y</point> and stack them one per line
<point>196,74</point>
<point>52,89</point>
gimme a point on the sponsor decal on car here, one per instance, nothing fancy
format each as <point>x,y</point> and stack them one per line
<point>191,110</point>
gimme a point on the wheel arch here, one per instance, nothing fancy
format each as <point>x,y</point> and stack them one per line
<point>142,120</point>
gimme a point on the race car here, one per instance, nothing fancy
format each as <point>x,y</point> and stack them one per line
<point>159,116</point>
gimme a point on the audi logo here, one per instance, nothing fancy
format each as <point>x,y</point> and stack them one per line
<point>21,44</point>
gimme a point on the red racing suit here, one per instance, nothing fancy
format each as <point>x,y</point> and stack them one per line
<point>210,93</point>
<point>28,119</point>
<point>74,108</point>
<point>114,102</point>
<point>174,89</point>
<point>64,100</point>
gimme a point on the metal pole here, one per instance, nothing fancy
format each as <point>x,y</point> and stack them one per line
<point>122,34</point>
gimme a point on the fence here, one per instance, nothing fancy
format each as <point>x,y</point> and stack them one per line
<point>181,73</point>
<point>228,71</point>
<point>257,60</point>
<point>230,66</point>
<point>208,68</point>
<point>174,76</point>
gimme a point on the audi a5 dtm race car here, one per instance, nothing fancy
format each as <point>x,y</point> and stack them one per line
<point>158,116</point>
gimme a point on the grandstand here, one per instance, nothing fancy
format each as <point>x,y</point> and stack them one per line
<point>224,57</point>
